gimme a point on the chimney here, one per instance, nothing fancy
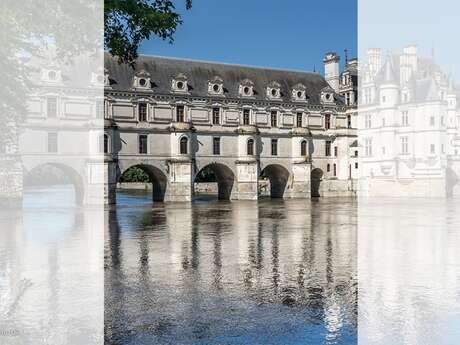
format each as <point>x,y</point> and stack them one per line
<point>374,56</point>
<point>331,70</point>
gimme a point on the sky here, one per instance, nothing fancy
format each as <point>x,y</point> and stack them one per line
<point>290,34</point>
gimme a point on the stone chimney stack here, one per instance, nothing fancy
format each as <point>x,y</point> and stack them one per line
<point>331,70</point>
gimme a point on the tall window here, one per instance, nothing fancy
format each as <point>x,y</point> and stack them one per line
<point>183,146</point>
<point>328,168</point>
<point>52,142</point>
<point>335,169</point>
<point>274,147</point>
<point>142,112</point>
<point>100,109</point>
<point>250,147</point>
<point>215,116</point>
<point>299,119</point>
<point>274,118</point>
<point>328,148</point>
<point>432,149</point>
<point>51,107</point>
<point>245,116</point>
<point>104,143</point>
<point>142,143</point>
<point>404,145</point>
<point>335,151</point>
<point>368,147</point>
<point>349,121</point>
<point>367,121</point>
<point>303,148</point>
<point>327,121</point>
<point>216,146</point>
<point>432,121</point>
<point>405,118</point>
<point>180,113</point>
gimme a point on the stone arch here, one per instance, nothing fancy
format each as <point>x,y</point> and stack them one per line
<point>225,179</point>
<point>316,176</point>
<point>278,176</point>
<point>156,176</point>
<point>30,177</point>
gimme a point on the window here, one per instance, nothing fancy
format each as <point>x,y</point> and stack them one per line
<point>328,168</point>
<point>274,147</point>
<point>250,147</point>
<point>216,146</point>
<point>432,149</point>
<point>274,118</point>
<point>51,107</point>
<point>335,169</point>
<point>180,113</point>
<point>142,144</point>
<point>404,145</point>
<point>215,116</point>
<point>100,109</point>
<point>52,142</point>
<point>327,121</point>
<point>368,147</point>
<point>383,122</point>
<point>405,118</point>
<point>383,99</point>
<point>328,148</point>
<point>183,146</point>
<point>142,112</point>
<point>303,148</point>
<point>432,121</point>
<point>442,120</point>
<point>349,121</point>
<point>245,116</point>
<point>356,153</point>
<point>367,121</point>
<point>356,165</point>
<point>335,151</point>
<point>104,144</point>
<point>299,119</point>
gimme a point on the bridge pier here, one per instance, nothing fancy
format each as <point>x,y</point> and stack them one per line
<point>11,181</point>
<point>298,186</point>
<point>246,184</point>
<point>179,184</point>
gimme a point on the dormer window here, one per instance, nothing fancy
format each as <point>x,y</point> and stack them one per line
<point>216,86</point>
<point>180,84</point>
<point>246,88</point>
<point>106,78</point>
<point>299,93</point>
<point>327,95</point>
<point>51,75</point>
<point>142,80</point>
<point>274,90</point>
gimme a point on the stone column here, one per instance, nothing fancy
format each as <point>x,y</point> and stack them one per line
<point>179,185</point>
<point>246,180</point>
<point>110,171</point>
<point>298,185</point>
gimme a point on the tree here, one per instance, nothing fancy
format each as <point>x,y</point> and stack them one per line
<point>134,174</point>
<point>128,22</point>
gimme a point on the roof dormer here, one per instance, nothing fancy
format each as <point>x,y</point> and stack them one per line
<point>179,84</point>
<point>327,95</point>
<point>51,75</point>
<point>299,93</point>
<point>216,86</point>
<point>273,91</point>
<point>246,88</point>
<point>142,80</point>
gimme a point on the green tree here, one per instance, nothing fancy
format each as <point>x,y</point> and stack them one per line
<point>128,22</point>
<point>134,174</point>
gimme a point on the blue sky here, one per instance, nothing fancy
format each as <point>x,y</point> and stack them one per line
<point>293,34</point>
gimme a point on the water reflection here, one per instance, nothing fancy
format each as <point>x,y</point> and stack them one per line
<point>272,272</point>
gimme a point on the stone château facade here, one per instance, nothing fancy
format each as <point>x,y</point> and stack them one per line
<point>174,117</point>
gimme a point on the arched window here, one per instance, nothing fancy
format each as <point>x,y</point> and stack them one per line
<point>303,148</point>
<point>250,147</point>
<point>183,146</point>
<point>106,144</point>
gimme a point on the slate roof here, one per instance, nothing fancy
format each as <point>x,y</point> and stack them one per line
<point>163,69</point>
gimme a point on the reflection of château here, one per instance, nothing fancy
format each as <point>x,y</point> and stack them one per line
<point>175,117</point>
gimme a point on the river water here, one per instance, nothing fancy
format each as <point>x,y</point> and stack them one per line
<point>243,272</point>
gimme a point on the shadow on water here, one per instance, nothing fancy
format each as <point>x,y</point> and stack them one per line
<point>220,272</point>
